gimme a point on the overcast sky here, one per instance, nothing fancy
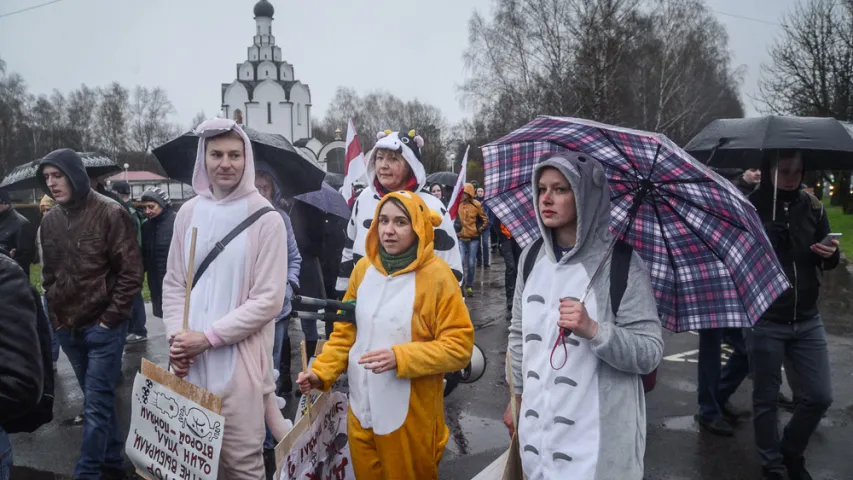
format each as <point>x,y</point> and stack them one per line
<point>190,47</point>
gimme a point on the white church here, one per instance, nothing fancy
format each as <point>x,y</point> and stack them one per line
<point>266,96</point>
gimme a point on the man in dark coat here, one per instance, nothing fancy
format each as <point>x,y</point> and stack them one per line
<point>156,238</point>
<point>16,234</point>
<point>791,329</point>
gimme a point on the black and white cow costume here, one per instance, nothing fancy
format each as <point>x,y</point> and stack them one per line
<point>446,245</point>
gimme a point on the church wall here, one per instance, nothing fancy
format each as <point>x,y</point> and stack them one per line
<point>264,26</point>
<point>267,70</point>
<point>253,53</point>
<point>300,99</point>
<point>287,72</point>
<point>266,53</point>
<point>247,72</point>
<point>236,97</point>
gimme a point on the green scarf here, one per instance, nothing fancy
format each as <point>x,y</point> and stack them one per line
<point>394,263</point>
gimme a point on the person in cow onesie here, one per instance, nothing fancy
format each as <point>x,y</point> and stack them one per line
<point>228,348</point>
<point>412,326</point>
<point>395,164</point>
<point>583,409</point>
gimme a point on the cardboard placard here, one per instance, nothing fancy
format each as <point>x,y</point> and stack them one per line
<point>175,427</point>
<point>317,447</point>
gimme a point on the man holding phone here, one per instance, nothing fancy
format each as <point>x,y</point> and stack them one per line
<point>791,330</point>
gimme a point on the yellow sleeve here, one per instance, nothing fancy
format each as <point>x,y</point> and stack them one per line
<point>334,358</point>
<point>454,337</point>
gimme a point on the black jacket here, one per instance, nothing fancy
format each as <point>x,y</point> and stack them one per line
<point>800,222</point>
<point>309,228</point>
<point>17,233</point>
<point>21,360</point>
<point>156,239</point>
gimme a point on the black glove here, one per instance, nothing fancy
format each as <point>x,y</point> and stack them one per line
<point>294,287</point>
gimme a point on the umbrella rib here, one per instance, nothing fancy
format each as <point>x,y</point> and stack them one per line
<point>621,152</point>
<point>703,209</point>
<point>655,161</point>
<point>671,262</point>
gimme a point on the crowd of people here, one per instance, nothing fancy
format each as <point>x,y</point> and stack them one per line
<point>407,266</point>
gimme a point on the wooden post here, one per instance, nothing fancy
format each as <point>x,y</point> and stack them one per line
<point>190,275</point>
<point>305,370</point>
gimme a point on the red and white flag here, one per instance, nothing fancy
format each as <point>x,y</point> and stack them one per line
<point>456,196</point>
<point>355,166</point>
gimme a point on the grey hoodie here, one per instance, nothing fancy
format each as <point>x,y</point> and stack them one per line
<point>588,418</point>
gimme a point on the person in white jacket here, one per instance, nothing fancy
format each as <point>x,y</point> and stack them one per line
<point>395,164</point>
<point>583,411</point>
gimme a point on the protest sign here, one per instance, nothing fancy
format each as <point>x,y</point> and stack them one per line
<point>340,385</point>
<point>175,427</point>
<point>317,447</point>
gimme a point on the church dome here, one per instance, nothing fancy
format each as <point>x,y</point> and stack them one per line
<point>264,9</point>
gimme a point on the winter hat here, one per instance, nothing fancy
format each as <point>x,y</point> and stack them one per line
<point>157,196</point>
<point>121,187</point>
<point>408,144</point>
<point>46,204</point>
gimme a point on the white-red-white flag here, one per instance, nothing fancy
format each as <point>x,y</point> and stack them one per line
<point>355,166</point>
<point>456,196</point>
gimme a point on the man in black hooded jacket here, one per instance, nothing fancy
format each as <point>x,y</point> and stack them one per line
<point>791,330</point>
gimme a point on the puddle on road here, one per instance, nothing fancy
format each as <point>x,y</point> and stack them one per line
<point>470,435</point>
<point>681,424</point>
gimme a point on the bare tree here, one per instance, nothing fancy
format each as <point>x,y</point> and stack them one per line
<point>112,118</point>
<point>149,124</point>
<point>198,119</point>
<point>82,107</point>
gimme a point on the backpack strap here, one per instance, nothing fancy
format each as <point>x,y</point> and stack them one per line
<point>620,265</point>
<point>220,245</point>
<point>530,258</point>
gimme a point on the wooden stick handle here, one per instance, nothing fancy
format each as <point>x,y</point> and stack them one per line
<point>190,275</point>
<point>305,370</point>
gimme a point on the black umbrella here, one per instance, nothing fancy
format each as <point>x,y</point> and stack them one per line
<point>297,173</point>
<point>826,143</point>
<point>23,177</point>
<point>448,179</point>
<point>328,200</point>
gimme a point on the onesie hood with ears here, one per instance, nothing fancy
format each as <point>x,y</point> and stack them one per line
<point>201,181</point>
<point>424,221</point>
<point>592,200</point>
<point>409,145</point>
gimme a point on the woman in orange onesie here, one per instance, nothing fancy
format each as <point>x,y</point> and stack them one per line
<point>413,327</point>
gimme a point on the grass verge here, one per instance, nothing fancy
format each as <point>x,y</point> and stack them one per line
<point>842,223</point>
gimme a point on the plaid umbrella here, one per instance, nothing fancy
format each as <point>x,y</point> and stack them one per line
<point>710,261</point>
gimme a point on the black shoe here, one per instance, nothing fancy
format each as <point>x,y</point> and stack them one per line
<point>796,468</point>
<point>733,414</point>
<point>785,403</point>
<point>285,383</point>
<point>717,426</point>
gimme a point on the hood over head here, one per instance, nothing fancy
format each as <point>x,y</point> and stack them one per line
<point>409,145</point>
<point>69,163</point>
<point>5,198</point>
<point>424,222</point>
<point>592,200</point>
<point>121,187</point>
<point>764,193</point>
<point>201,181</point>
<point>470,190</point>
<point>266,168</point>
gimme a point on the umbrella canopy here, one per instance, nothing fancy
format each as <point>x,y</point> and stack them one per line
<point>448,179</point>
<point>23,177</point>
<point>328,200</point>
<point>710,261</point>
<point>297,173</point>
<point>826,143</point>
<point>336,180</point>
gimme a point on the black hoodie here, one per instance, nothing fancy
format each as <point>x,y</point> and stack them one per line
<point>800,222</point>
<point>70,164</point>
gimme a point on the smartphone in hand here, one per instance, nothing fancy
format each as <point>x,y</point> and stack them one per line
<point>827,240</point>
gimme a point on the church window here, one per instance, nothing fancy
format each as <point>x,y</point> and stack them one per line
<point>299,113</point>
<point>267,73</point>
<point>269,112</point>
<point>265,56</point>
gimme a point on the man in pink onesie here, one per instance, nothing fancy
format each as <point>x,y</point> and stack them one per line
<point>228,348</point>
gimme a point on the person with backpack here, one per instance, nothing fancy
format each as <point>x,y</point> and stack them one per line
<point>584,330</point>
<point>791,329</point>
<point>26,379</point>
<point>236,293</point>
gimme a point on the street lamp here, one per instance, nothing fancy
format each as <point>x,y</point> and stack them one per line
<point>452,160</point>
<point>126,166</point>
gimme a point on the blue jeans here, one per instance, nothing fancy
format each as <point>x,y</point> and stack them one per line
<point>137,316</point>
<point>469,258</point>
<point>717,385</point>
<point>54,342</point>
<point>5,456</point>
<point>484,252</point>
<point>803,344</point>
<point>95,354</point>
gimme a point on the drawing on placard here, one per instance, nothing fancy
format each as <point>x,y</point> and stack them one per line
<point>167,405</point>
<point>200,425</point>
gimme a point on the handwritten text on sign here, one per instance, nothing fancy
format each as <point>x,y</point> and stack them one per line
<point>322,453</point>
<point>172,437</point>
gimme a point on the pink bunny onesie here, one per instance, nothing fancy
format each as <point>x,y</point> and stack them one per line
<point>234,304</point>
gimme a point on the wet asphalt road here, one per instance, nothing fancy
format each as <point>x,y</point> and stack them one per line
<point>676,448</point>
